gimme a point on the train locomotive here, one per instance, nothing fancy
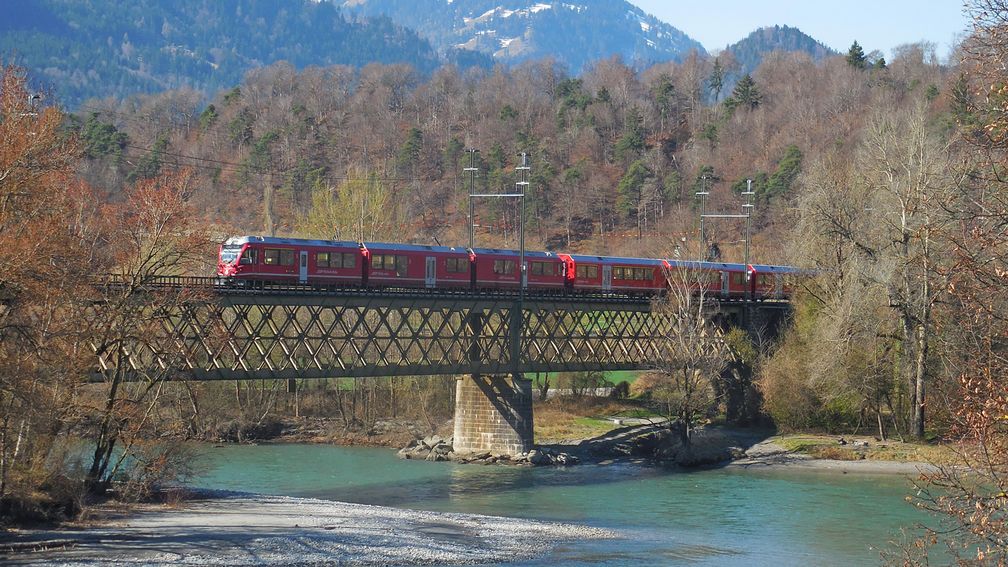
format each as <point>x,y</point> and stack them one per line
<point>330,263</point>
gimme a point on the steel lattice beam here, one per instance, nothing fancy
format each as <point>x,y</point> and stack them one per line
<point>259,336</point>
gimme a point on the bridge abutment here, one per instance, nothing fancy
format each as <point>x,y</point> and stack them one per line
<point>493,413</point>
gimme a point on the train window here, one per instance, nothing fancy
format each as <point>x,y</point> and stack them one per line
<point>376,261</point>
<point>586,272</point>
<point>737,278</point>
<point>271,256</point>
<point>640,274</point>
<point>229,253</point>
<point>249,256</point>
<point>350,260</point>
<point>542,269</point>
<point>322,260</point>
<point>286,257</point>
<point>457,265</point>
<point>504,267</point>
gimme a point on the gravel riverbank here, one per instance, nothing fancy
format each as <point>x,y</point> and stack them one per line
<point>274,530</point>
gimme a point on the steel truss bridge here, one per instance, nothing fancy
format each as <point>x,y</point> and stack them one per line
<point>302,331</point>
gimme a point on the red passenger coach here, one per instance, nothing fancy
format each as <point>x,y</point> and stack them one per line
<point>627,275</point>
<point>262,258</point>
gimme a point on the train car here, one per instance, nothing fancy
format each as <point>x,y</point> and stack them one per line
<point>773,282</point>
<point>545,270</point>
<point>290,260</point>
<point>418,266</point>
<point>640,276</point>
<point>498,269</point>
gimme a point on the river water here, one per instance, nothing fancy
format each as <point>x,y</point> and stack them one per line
<point>711,517</point>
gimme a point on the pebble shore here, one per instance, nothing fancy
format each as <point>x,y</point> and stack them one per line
<point>275,530</point>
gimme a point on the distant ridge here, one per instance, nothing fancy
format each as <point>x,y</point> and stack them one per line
<point>575,33</point>
<point>750,51</point>
<point>103,48</point>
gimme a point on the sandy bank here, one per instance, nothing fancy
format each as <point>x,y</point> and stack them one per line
<point>767,454</point>
<point>274,530</point>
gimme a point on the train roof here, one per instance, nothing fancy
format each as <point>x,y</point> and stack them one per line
<point>239,240</point>
<point>766,268</point>
<point>615,260</point>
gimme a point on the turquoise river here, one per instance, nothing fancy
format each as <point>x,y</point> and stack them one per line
<point>710,517</point>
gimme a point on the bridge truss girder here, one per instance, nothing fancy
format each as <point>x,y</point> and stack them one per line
<point>252,336</point>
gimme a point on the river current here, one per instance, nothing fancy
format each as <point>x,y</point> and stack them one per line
<point>710,517</point>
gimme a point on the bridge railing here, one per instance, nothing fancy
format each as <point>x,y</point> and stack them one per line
<point>221,286</point>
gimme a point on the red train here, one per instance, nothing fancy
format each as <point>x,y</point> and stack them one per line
<point>377,264</point>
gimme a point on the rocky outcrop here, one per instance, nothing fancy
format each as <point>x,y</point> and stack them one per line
<point>436,448</point>
<point>433,448</point>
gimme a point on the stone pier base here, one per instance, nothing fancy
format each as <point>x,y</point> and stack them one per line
<point>493,413</point>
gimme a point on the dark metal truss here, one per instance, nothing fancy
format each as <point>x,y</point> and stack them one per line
<point>255,336</point>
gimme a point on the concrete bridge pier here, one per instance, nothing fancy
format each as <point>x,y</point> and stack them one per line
<point>493,413</point>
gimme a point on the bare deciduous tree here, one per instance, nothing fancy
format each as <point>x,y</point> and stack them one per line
<point>691,352</point>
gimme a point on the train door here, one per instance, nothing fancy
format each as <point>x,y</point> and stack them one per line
<point>778,286</point>
<point>524,274</point>
<point>606,277</point>
<point>303,267</point>
<point>430,275</point>
<point>725,283</point>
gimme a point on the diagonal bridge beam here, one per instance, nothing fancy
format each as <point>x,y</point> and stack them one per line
<point>252,335</point>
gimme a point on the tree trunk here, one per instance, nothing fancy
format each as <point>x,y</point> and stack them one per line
<point>920,368</point>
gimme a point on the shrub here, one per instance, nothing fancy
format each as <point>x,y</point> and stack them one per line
<point>621,391</point>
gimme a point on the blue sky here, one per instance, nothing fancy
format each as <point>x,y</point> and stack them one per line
<point>882,24</point>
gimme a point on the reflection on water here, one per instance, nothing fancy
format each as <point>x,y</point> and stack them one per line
<point>716,517</point>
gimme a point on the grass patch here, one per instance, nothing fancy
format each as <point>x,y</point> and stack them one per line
<point>837,453</point>
<point>628,376</point>
<point>567,419</point>
<point>553,426</point>
<point>827,447</point>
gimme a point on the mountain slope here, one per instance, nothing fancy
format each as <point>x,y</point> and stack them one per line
<point>576,33</point>
<point>749,52</point>
<point>99,48</point>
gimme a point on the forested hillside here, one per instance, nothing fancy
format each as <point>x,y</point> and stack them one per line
<point>616,155</point>
<point>103,48</point>
<point>574,33</point>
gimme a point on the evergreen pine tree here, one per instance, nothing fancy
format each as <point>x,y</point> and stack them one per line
<point>856,57</point>
<point>630,192</point>
<point>631,144</point>
<point>746,93</point>
<point>409,153</point>
<point>716,79</point>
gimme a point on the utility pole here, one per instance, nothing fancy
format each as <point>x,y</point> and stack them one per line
<point>472,170</point>
<point>702,193</point>
<point>748,207</point>
<point>521,186</point>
